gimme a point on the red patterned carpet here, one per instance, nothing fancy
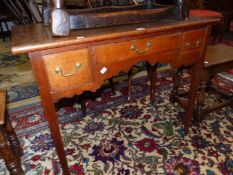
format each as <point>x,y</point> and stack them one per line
<point>130,138</point>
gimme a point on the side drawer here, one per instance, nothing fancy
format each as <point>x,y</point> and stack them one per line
<point>136,48</point>
<point>67,70</point>
<point>193,40</point>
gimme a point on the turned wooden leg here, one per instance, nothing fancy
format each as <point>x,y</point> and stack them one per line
<point>6,153</point>
<point>176,79</point>
<point>130,77</point>
<point>13,139</point>
<point>153,74</point>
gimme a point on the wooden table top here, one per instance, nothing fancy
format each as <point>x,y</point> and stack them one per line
<point>36,37</point>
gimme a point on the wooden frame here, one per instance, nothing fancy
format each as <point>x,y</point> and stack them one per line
<point>103,53</point>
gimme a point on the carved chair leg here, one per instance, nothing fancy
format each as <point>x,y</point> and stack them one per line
<point>11,161</point>
<point>153,74</point>
<point>176,80</point>
<point>13,139</point>
<point>130,77</point>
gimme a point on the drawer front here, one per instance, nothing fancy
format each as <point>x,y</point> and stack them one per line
<point>193,40</point>
<point>136,48</point>
<point>67,70</point>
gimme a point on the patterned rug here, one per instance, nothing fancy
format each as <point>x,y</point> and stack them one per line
<point>127,138</point>
<point>16,75</point>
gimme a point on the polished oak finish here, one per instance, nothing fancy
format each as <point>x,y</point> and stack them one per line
<point>65,68</point>
<point>68,66</point>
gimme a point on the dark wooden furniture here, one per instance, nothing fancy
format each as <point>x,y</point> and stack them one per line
<point>5,18</point>
<point>63,20</point>
<point>225,8</point>
<point>118,15</point>
<point>26,12</point>
<point>219,58</point>
<point>10,153</point>
<point>4,22</point>
<point>68,66</point>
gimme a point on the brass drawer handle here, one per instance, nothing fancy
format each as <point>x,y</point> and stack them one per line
<point>194,45</point>
<point>135,49</point>
<point>59,70</point>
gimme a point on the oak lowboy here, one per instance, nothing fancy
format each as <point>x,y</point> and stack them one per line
<point>65,66</point>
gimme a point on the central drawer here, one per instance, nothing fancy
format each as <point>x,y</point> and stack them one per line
<point>136,48</point>
<point>67,70</point>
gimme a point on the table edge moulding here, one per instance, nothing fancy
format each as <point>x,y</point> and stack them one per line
<point>68,66</point>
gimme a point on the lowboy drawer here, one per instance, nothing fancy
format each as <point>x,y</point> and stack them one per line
<point>136,48</point>
<point>193,40</point>
<point>67,70</point>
